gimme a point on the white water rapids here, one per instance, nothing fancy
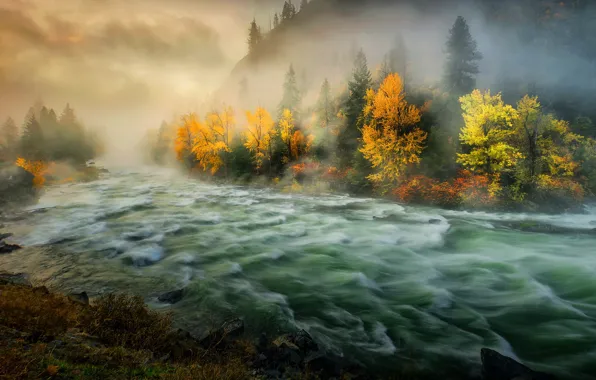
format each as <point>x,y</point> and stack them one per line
<point>369,279</point>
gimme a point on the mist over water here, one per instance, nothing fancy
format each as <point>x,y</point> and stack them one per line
<point>369,279</point>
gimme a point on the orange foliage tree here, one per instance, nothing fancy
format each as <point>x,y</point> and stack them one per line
<point>38,168</point>
<point>186,133</point>
<point>390,136</point>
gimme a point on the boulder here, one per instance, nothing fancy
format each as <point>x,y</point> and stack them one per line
<point>80,297</point>
<point>227,332</point>
<point>14,279</point>
<point>172,297</point>
<point>499,367</point>
<point>8,248</point>
<point>5,235</point>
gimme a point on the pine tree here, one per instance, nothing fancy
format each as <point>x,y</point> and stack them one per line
<point>8,140</point>
<point>303,4</point>
<point>461,66</point>
<point>324,110</point>
<point>254,36</point>
<point>32,142</point>
<point>288,11</point>
<point>275,20</point>
<point>347,141</point>
<point>396,61</point>
<point>291,94</point>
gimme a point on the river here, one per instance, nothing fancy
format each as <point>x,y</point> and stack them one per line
<point>369,279</point>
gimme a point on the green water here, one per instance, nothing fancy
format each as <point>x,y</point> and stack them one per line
<point>369,279</point>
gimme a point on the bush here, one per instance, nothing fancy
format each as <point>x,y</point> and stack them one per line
<point>122,320</point>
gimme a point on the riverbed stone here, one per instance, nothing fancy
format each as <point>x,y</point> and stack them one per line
<point>226,333</point>
<point>81,297</point>
<point>499,367</point>
<point>8,248</point>
<point>14,279</point>
<point>172,297</point>
<point>5,235</point>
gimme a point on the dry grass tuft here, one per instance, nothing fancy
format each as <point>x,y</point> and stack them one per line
<point>36,311</point>
<point>121,320</point>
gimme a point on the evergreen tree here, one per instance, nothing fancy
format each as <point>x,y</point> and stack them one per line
<point>275,20</point>
<point>396,61</point>
<point>324,105</point>
<point>68,117</point>
<point>162,145</point>
<point>289,11</point>
<point>303,4</point>
<point>254,36</point>
<point>347,141</point>
<point>32,141</point>
<point>291,95</point>
<point>8,140</point>
<point>461,66</point>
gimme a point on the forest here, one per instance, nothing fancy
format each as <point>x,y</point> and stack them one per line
<point>46,139</point>
<point>452,144</point>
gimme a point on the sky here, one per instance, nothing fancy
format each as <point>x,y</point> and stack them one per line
<point>120,62</point>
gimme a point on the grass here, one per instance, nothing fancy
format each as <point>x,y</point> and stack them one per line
<point>47,335</point>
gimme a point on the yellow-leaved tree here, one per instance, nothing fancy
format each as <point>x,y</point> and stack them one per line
<point>259,133</point>
<point>548,147</point>
<point>287,127</point>
<point>486,136</point>
<point>208,143</point>
<point>391,138</point>
<point>186,133</point>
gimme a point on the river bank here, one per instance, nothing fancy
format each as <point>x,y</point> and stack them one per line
<point>375,282</point>
<point>50,335</point>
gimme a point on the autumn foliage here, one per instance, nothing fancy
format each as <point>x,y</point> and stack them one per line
<point>39,169</point>
<point>467,189</point>
<point>391,138</point>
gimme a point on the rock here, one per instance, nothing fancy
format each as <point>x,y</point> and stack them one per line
<point>8,248</point>
<point>41,290</point>
<point>173,296</point>
<point>434,221</point>
<point>227,332</point>
<point>5,235</point>
<point>300,340</point>
<point>498,367</point>
<point>80,297</point>
<point>14,279</point>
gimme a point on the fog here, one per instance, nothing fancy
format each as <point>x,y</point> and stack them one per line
<point>126,66</point>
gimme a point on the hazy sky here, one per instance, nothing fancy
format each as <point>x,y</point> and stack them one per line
<point>116,54</point>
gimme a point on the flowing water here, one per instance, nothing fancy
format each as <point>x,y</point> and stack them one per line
<point>369,279</point>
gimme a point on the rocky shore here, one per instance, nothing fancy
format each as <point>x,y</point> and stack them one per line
<point>50,335</point>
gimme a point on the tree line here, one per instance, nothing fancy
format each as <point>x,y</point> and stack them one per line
<point>47,137</point>
<point>449,145</point>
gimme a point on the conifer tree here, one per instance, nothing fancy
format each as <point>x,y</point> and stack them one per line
<point>288,11</point>
<point>32,142</point>
<point>8,140</point>
<point>254,36</point>
<point>347,141</point>
<point>461,66</point>
<point>291,94</point>
<point>324,110</point>
<point>275,20</point>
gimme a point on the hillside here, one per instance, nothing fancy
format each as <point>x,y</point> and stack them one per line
<point>321,40</point>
